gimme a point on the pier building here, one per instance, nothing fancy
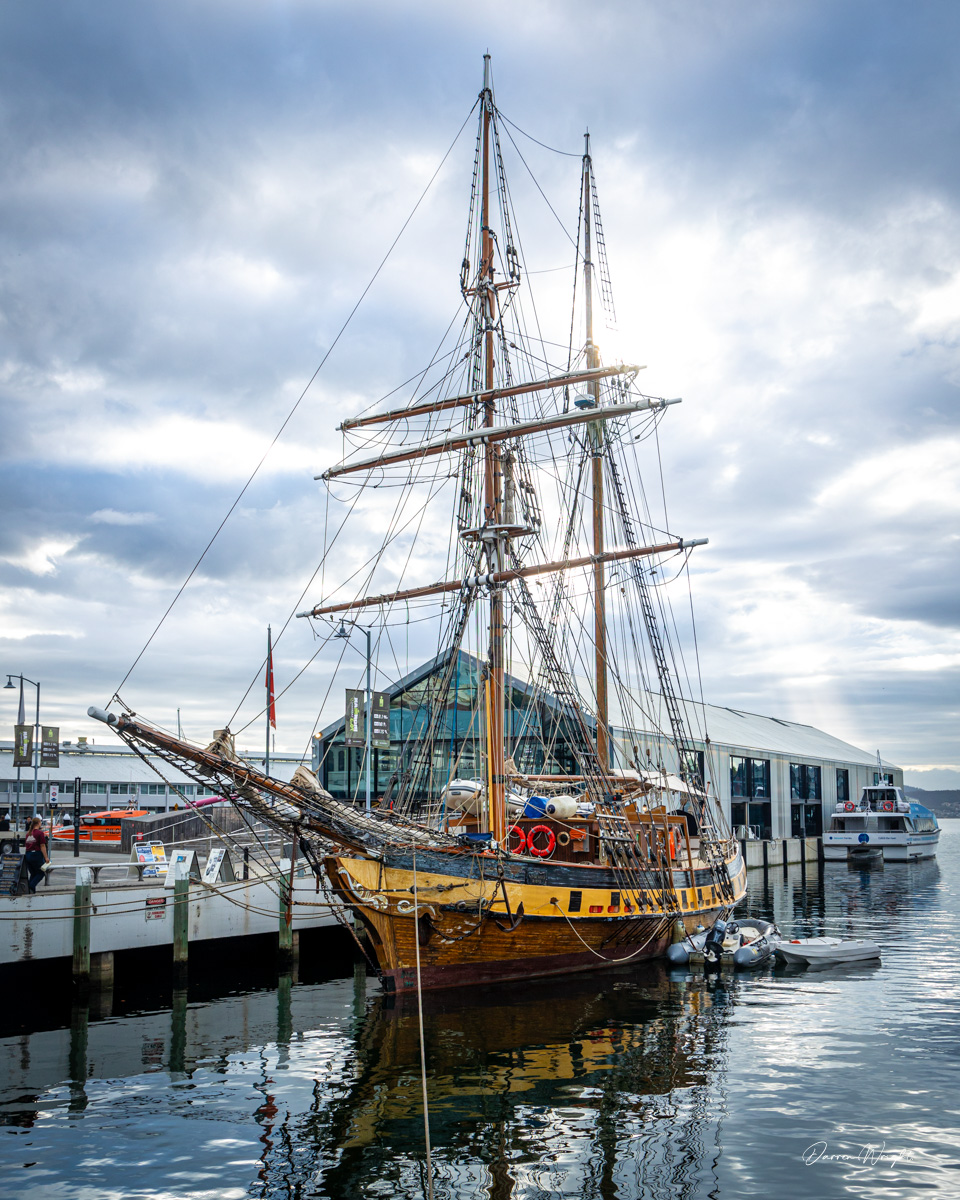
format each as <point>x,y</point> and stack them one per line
<point>775,778</point>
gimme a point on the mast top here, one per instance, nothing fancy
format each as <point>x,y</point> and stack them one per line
<point>486,72</point>
<point>586,144</point>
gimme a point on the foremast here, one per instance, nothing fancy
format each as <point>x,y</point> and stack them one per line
<point>495,547</point>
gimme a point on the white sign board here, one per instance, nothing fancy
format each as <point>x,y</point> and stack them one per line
<point>183,865</point>
<point>152,856</point>
<point>219,868</point>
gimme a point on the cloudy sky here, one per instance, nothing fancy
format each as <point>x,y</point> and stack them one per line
<point>194,195</point>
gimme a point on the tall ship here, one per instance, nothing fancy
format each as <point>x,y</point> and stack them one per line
<point>552,840</point>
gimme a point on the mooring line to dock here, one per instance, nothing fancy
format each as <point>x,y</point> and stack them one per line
<point>423,1052</point>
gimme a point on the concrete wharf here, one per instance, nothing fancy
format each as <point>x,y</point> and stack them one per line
<point>90,908</point>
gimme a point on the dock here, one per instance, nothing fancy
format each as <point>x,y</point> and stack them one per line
<point>91,908</point>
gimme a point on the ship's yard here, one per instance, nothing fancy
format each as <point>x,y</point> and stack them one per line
<point>479,490</point>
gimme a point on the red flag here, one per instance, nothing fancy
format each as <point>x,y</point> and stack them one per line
<point>271,699</point>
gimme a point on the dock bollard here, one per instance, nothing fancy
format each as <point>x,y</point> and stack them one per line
<point>81,927</point>
<point>181,927</point>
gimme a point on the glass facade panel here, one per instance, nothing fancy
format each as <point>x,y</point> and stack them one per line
<point>760,777</point>
<point>738,777</point>
<point>843,785</point>
<point>795,778</point>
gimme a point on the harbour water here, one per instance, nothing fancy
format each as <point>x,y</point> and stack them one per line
<point>641,1082</point>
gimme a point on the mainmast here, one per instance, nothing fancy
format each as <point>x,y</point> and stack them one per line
<point>596,454</point>
<point>496,769</point>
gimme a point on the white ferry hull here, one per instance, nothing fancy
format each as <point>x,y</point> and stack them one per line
<point>894,847</point>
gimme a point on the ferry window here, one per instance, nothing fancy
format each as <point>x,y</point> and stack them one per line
<point>887,778</point>
<point>576,899</point>
<point>843,785</point>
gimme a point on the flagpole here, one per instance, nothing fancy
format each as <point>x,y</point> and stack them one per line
<point>266,763</point>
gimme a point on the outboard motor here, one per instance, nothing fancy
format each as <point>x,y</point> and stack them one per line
<point>713,946</point>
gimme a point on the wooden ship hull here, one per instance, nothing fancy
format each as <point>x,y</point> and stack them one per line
<point>437,922</point>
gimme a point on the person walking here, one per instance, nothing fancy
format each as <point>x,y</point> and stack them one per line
<point>35,852</point>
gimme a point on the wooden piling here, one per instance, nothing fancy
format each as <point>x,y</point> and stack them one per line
<point>181,928</point>
<point>285,943</point>
<point>81,927</point>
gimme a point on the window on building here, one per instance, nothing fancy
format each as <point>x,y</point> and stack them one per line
<point>341,762</point>
<point>121,789</point>
<point>153,789</point>
<point>843,784</point>
<point>750,777</point>
<point>693,766</point>
<point>804,782</point>
<point>94,789</point>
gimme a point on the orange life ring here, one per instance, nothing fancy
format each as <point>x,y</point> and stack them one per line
<point>849,806</point>
<point>888,806</point>
<point>551,842</point>
<point>521,835</point>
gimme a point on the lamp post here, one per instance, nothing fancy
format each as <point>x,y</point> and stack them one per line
<point>36,745</point>
<point>343,632</point>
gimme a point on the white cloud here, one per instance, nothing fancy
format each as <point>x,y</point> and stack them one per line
<point>110,516</point>
<point>43,558</point>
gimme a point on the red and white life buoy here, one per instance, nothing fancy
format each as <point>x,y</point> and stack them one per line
<point>888,806</point>
<point>545,851</point>
<point>519,849</point>
<point>849,806</point>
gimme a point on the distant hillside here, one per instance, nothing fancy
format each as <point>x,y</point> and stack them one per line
<point>944,804</point>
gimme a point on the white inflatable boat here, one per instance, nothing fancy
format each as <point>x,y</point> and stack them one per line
<point>827,950</point>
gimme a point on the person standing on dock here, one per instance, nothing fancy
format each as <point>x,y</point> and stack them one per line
<point>35,852</point>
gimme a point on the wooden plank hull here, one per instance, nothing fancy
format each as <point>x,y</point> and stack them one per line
<point>472,929</point>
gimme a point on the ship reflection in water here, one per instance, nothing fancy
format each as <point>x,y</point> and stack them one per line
<point>624,1084</point>
<point>591,1087</point>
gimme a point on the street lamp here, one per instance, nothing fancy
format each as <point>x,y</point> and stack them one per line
<point>36,743</point>
<point>344,632</point>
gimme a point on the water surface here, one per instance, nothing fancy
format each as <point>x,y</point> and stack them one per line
<point>640,1082</point>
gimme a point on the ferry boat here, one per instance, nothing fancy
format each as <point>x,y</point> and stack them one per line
<point>884,822</point>
<point>101,827</point>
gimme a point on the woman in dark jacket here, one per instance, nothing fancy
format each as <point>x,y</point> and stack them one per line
<point>35,852</point>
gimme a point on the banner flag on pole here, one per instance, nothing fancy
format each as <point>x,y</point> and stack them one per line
<point>23,745</point>
<point>21,713</point>
<point>271,699</point>
<point>50,746</point>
